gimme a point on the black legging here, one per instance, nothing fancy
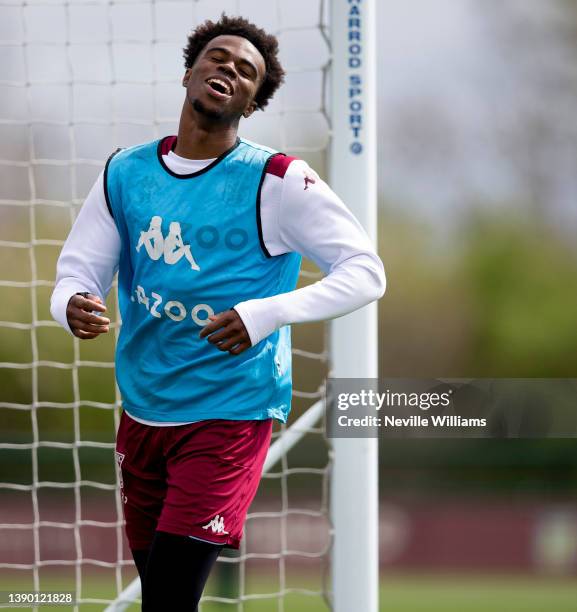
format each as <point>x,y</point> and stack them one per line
<point>173,572</point>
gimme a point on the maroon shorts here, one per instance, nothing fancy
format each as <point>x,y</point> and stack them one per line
<point>193,480</point>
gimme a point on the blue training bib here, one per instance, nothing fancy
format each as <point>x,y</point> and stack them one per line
<point>192,247</point>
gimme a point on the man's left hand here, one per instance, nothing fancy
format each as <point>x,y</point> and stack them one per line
<point>232,336</point>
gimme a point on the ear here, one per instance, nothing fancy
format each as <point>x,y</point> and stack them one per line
<point>186,77</point>
<point>249,110</point>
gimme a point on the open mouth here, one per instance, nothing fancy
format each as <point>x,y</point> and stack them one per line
<point>219,87</point>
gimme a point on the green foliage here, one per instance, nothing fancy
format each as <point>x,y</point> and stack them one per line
<point>522,283</point>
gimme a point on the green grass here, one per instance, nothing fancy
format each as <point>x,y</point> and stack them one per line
<point>477,594</point>
<point>399,593</point>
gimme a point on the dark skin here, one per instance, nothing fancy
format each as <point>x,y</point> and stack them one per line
<point>208,127</point>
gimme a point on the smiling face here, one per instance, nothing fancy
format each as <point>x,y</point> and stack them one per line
<point>224,79</point>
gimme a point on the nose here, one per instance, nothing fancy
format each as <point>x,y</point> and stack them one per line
<point>229,69</point>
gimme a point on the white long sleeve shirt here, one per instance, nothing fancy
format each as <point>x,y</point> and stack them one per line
<point>297,215</point>
<point>313,222</point>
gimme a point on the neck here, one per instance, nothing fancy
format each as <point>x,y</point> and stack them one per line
<point>200,137</point>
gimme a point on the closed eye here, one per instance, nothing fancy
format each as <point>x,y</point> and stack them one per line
<point>246,71</point>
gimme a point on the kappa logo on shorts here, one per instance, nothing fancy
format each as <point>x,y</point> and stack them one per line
<point>217,525</point>
<point>119,460</point>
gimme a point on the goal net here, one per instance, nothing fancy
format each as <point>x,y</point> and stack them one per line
<point>77,80</point>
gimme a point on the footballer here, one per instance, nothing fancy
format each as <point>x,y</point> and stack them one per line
<point>206,231</point>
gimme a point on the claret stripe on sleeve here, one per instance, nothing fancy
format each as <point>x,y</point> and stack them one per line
<point>278,164</point>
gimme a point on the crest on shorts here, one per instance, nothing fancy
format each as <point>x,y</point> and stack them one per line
<point>119,460</point>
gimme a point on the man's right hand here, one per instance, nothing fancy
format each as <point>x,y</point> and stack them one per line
<point>83,323</point>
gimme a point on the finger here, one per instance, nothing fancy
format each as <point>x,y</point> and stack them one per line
<point>231,342</point>
<point>77,314</point>
<point>83,333</point>
<point>90,302</point>
<point>88,327</point>
<point>240,348</point>
<point>218,321</point>
<point>79,333</point>
<point>210,327</point>
<point>87,317</point>
<point>224,334</point>
<point>91,296</point>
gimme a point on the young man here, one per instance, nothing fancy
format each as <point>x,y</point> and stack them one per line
<point>206,231</point>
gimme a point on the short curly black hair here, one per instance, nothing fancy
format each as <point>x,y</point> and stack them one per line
<point>238,26</point>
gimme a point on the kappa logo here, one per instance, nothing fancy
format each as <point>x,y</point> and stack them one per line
<point>172,248</point>
<point>119,460</point>
<point>309,178</point>
<point>217,525</point>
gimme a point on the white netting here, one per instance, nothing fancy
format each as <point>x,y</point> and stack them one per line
<point>77,80</point>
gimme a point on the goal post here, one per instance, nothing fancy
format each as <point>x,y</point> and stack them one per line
<point>354,338</point>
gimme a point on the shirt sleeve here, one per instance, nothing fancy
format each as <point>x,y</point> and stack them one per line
<point>313,221</point>
<point>89,258</point>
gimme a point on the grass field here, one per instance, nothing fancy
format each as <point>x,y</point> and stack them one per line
<point>399,593</point>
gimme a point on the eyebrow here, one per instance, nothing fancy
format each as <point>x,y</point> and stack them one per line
<point>241,60</point>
